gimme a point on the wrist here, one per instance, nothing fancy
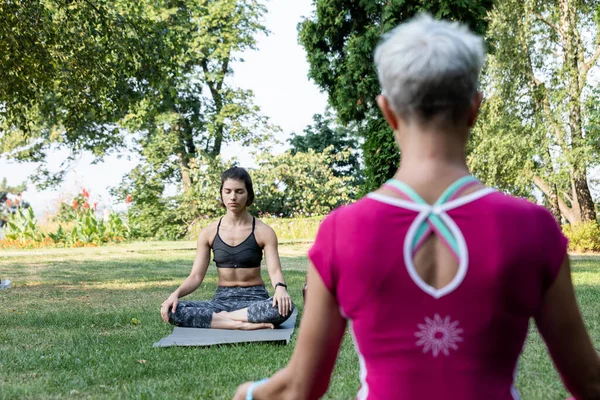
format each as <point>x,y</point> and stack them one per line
<point>253,386</point>
<point>280,285</point>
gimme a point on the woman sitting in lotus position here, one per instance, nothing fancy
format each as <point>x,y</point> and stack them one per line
<point>237,240</point>
<point>436,276</point>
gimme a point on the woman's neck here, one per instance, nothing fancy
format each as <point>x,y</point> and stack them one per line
<point>431,160</point>
<point>237,218</point>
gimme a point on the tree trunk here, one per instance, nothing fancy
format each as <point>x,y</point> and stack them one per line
<point>575,203</point>
<point>185,171</point>
<point>570,213</point>
<point>184,156</point>
<point>584,198</point>
<point>219,128</point>
<point>571,58</point>
<point>215,87</point>
<point>216,150</point>
<point>554,207</point>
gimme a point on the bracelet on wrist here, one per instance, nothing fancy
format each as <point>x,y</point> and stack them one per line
<point>280,284</point>
<point>253,386</point>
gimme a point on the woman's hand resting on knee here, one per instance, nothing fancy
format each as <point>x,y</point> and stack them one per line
<point>169,304</point>
<point>282,300</point>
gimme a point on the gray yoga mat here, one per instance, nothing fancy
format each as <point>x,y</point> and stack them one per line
<point>210,337</point>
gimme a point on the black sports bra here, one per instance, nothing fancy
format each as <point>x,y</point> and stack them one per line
<point>247,254</point>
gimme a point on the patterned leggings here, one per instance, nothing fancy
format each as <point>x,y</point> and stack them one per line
<point>198,314</point>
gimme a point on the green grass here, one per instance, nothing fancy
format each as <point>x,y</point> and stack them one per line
<point>69,328</point>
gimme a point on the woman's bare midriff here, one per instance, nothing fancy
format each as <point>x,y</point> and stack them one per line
<point>239,277</point>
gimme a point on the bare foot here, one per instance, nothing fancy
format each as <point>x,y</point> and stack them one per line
<point>234,316</point>
<point>249,326</point>
<point>222,320</point>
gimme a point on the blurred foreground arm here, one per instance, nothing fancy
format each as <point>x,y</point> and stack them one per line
<point>561,325</point>
<point>309,371</point>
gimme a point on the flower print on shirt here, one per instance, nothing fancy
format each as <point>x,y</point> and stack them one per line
<point>439,335</point>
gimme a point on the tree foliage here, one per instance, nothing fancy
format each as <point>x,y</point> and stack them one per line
<point>196,110</point>
<point>339,39</point>
<point>70,71</point>
<point>297,185</point>
<point>301,183</point>
<point>82,74</point>
<point>539,122</point>
<point>323,133</point>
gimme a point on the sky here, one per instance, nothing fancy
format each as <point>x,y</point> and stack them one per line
<point>277,74</point>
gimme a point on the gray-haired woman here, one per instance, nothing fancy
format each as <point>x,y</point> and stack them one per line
<point>436,275</point>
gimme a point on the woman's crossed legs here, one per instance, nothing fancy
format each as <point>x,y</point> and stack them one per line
<point>244,308</point>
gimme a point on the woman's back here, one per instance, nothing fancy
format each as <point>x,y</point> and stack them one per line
<point>463,338</point>
<point>444,317</point>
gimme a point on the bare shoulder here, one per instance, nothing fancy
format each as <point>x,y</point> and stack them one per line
<point>264,233</point>
<point>207,235</point>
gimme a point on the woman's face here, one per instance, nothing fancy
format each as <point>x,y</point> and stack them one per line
<point>234,195</point>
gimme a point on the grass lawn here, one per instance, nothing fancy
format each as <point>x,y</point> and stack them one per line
<point>80,323</point>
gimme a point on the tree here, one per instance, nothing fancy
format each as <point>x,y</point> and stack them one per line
<point>183,124</point>
<point>155,214</point>
<point>70,71</point>
<point>81,74</point>
<point>541,99</point>
<point>301,183</point>
<point>196,109</point>
<point>339,39</point>
<point>324,133</point>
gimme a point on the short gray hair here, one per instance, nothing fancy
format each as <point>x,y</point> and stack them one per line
<point>429,68</point>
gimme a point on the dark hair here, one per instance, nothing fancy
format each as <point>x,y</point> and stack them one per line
<point>238,174</point>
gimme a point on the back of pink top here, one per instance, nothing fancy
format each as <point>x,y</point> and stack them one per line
<point>461,342</point>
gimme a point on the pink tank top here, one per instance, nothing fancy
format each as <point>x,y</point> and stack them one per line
<point>461,341</point>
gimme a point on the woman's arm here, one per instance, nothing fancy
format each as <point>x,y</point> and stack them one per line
<point>196,276</point>
<point>560,324</point>
<point>281,298</point>
<point>309,371</point>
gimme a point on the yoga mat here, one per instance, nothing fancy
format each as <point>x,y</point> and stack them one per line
<point>210,337</point>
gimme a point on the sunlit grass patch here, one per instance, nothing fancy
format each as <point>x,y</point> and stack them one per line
<point>80,323</point>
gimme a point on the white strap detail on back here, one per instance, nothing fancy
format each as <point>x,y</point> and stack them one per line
<point>409,205</point>
<point>466,199</point>
<point>424,211</point>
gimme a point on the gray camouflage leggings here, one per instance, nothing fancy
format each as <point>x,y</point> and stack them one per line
<point>198,314</point>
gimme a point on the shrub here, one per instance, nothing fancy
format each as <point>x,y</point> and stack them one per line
<point>22,226</point>
<point>88,229</point>
<point>287,182</point>
<point>83,227</point>
<point>154,214</point>
<point>584,237</point>
<point>294,228</point>
<point>285,228</point>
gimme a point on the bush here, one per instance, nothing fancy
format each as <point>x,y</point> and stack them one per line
<point>285,228</point>
<point>88,228</point>
<point>295,228</point>
<point>68,212</point>
<point>22,230</point>
<point>303,182</point>
<point>22,226</point>
<point>157,215</point>
<point>584,237</point>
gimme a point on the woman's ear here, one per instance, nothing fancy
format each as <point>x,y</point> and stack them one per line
<point>387,112</point>
<point>474,109</point>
